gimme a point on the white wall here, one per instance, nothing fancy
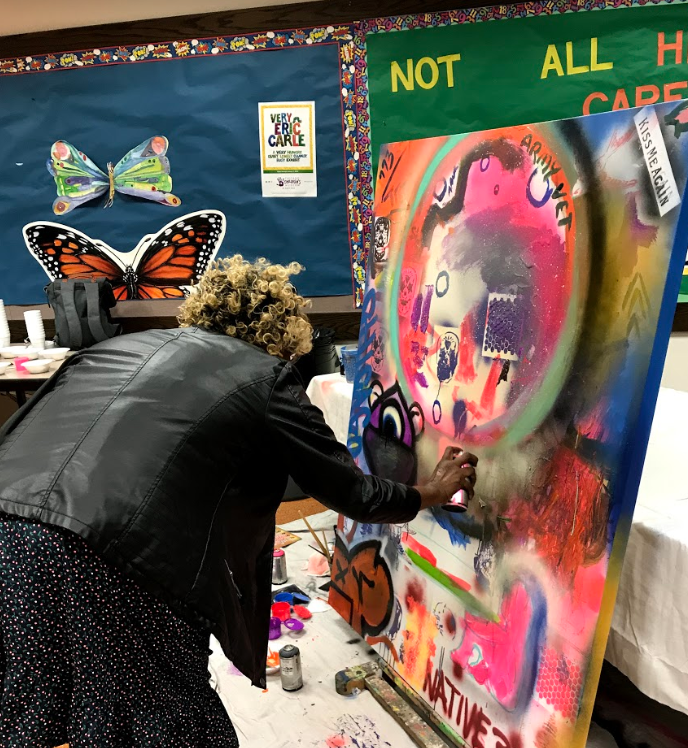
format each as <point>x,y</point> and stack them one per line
<point>676,367</point>
<point>23,16</point>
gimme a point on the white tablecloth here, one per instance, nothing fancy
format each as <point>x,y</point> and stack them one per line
<point>649,637</point>
<point>333,395</point>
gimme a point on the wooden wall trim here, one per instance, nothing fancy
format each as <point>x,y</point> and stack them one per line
<point>169,308</point>
<point>332,311</point>
<point>222,23</point>
<point>337,312</point>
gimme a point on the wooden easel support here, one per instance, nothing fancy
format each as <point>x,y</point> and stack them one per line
<point>369,677</point>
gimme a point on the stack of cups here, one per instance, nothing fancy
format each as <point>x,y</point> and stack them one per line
<point>4,327</point>
<point>35,329</point>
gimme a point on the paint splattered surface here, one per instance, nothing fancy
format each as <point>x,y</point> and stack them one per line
<point>355,731</point>
<point>316,714</point>
<point>511,306</point>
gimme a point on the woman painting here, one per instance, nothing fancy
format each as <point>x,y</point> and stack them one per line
<point>138,491</point>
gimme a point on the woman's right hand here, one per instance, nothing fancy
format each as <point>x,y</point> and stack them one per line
<point>455,471</point>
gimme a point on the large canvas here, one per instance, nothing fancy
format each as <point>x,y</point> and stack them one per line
<point>519,303</point>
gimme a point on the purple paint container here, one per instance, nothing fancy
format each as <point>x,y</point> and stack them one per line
<point>275,630</point>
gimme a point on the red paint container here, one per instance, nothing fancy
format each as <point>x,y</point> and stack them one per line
<point>281,611</point>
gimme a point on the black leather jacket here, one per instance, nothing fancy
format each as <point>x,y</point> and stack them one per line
<point>168,452</point>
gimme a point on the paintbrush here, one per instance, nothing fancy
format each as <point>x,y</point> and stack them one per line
<point>317,539</point>
<point>327,547</point>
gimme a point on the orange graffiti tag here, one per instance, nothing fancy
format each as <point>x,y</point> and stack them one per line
<point>361,590</point>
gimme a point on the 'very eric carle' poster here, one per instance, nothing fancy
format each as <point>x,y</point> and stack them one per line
<point>519,301</point>
<point>287,149</point>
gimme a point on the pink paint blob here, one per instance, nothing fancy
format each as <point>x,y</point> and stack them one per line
<point>158,144</point>
<point>318,565</point>
<point>337,741</point>
<point>19,364</point>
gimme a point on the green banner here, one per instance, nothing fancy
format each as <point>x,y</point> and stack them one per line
<point>442,80</point>
<point>431,79</point>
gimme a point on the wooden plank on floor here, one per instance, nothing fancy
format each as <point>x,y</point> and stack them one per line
<point>411,722</point>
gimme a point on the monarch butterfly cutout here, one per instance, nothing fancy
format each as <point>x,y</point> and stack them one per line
<point>144,172</point>
<point>163,266</point>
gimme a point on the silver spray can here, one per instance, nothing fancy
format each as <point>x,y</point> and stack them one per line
<point>290,668</point>
<point>279,567</point>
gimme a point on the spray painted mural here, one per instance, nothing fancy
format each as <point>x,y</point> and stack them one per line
<point>516,306</point>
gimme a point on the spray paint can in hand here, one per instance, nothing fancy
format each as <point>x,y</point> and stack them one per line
<point>279,567</point>
<point>458,502</point>
<point>290,668</point>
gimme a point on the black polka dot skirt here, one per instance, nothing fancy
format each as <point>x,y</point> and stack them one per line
<point>89,659</point>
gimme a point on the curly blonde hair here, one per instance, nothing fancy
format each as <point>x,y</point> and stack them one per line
<point>253,301</point>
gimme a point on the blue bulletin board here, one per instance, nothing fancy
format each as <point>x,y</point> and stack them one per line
<point>203,96</point>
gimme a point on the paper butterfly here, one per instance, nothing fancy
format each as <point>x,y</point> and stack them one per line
<point>163,266</point>
<point>143,172</point>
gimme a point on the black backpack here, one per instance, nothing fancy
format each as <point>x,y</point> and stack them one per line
<point>82,311</point>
